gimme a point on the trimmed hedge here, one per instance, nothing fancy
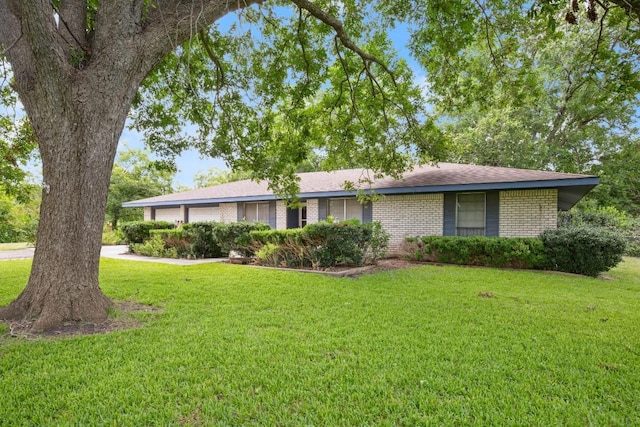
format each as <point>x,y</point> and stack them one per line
<point>583,250</point>
<point>138,231</point>
<point>235,237</point>
<point>515,252</point>
<point>321,245</point>
<point>202,239</point>
<point>193,240</point>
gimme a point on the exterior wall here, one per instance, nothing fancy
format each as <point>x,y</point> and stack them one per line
<point>228,212</point>
<point>527,213</point>
<point>281,215</point>
<point>147,213</point>
<point>312,211</point>
<point>211,213</point>
<point>409,215</point>
<point>169,214</point>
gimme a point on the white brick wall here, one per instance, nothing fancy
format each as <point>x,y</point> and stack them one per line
<point>312,211</point>
<point>281,215</point>
<point>228,212</point>
<point>409,215</point>
<point>526,213</point>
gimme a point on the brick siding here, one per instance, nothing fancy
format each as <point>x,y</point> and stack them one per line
<point>281,215</point>
<point>312,211</point>
<point>228,212</point>
<point>409,215</point>
<point>526,213</point>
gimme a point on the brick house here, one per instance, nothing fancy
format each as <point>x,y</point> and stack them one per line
<point>447,199</point>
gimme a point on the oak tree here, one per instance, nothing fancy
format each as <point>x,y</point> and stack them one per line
<point>79,66</point>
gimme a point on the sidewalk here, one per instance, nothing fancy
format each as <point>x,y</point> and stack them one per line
<point>122,252</point>
<point>115,252</point>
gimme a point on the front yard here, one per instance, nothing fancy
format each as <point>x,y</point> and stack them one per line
<point>428,345</point>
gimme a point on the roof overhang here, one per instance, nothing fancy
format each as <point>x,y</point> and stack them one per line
<point>570,191</point>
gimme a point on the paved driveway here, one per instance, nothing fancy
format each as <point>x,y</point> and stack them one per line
<point>17,254</point>
<point>116,252</point>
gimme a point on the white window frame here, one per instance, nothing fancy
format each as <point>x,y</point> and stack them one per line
<point>257,211</point>
<point>303,215</point>
<point>484,219</point>
<point>343,216</point>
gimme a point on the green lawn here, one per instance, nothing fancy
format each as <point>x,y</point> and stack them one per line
<point>241,346</point>
<point>13,246</point>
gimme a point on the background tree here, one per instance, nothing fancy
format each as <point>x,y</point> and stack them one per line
<point>520,94</point>
<point>134,176</point>
<point>19,219</point>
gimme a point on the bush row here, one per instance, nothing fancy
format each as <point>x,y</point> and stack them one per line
<point>582,250</point>
<point>516,252</point>
<point>139,231</point>
<point>321,245</point>
<point>193,240</point>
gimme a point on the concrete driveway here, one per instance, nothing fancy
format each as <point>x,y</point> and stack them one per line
<point>116,252</point>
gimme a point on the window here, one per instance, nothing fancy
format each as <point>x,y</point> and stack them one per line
<point>470,214</point>
<point>342,209</point>
<point>256,212</point>
<point>302,215</point>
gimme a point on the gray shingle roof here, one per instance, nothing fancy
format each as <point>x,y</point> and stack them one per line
<point>427,178</point>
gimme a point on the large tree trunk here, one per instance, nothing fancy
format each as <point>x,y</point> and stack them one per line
<point>77,150</point>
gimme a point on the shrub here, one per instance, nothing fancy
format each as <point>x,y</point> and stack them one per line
<point>203,240</point>
<point>337,243</point>
<point>515,252</point>
<point>112,237</point>
<point>377,244</point>
<point>154,247</point>
<point>235,237</point>
<point>268,254</point>
<point>138,231</point>
<point>583,250</point>
<point>607,217</point>
<point>280,247</point>
<point>322,244</point>
<point>174,238</point>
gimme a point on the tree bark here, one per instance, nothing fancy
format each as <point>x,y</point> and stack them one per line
<point>78,143</point>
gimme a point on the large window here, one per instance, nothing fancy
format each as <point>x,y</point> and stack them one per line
<point>470,214</point>
<point>342,209</point>
<point>256,212</point>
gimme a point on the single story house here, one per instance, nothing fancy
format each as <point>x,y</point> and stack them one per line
<point>444,199</point>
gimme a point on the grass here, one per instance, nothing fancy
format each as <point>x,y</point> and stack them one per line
<point>423,346</point>
<point>14,246</point>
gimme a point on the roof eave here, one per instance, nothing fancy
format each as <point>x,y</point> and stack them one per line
<point>580,186</point>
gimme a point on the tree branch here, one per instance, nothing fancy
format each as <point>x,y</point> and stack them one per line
<point>171,22</point>
<point>632,7</point>
<point>32,43</point>
<point>10,31</point>
<point>346,41</point>
<point>73,23</point>
<point>204,38</point>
